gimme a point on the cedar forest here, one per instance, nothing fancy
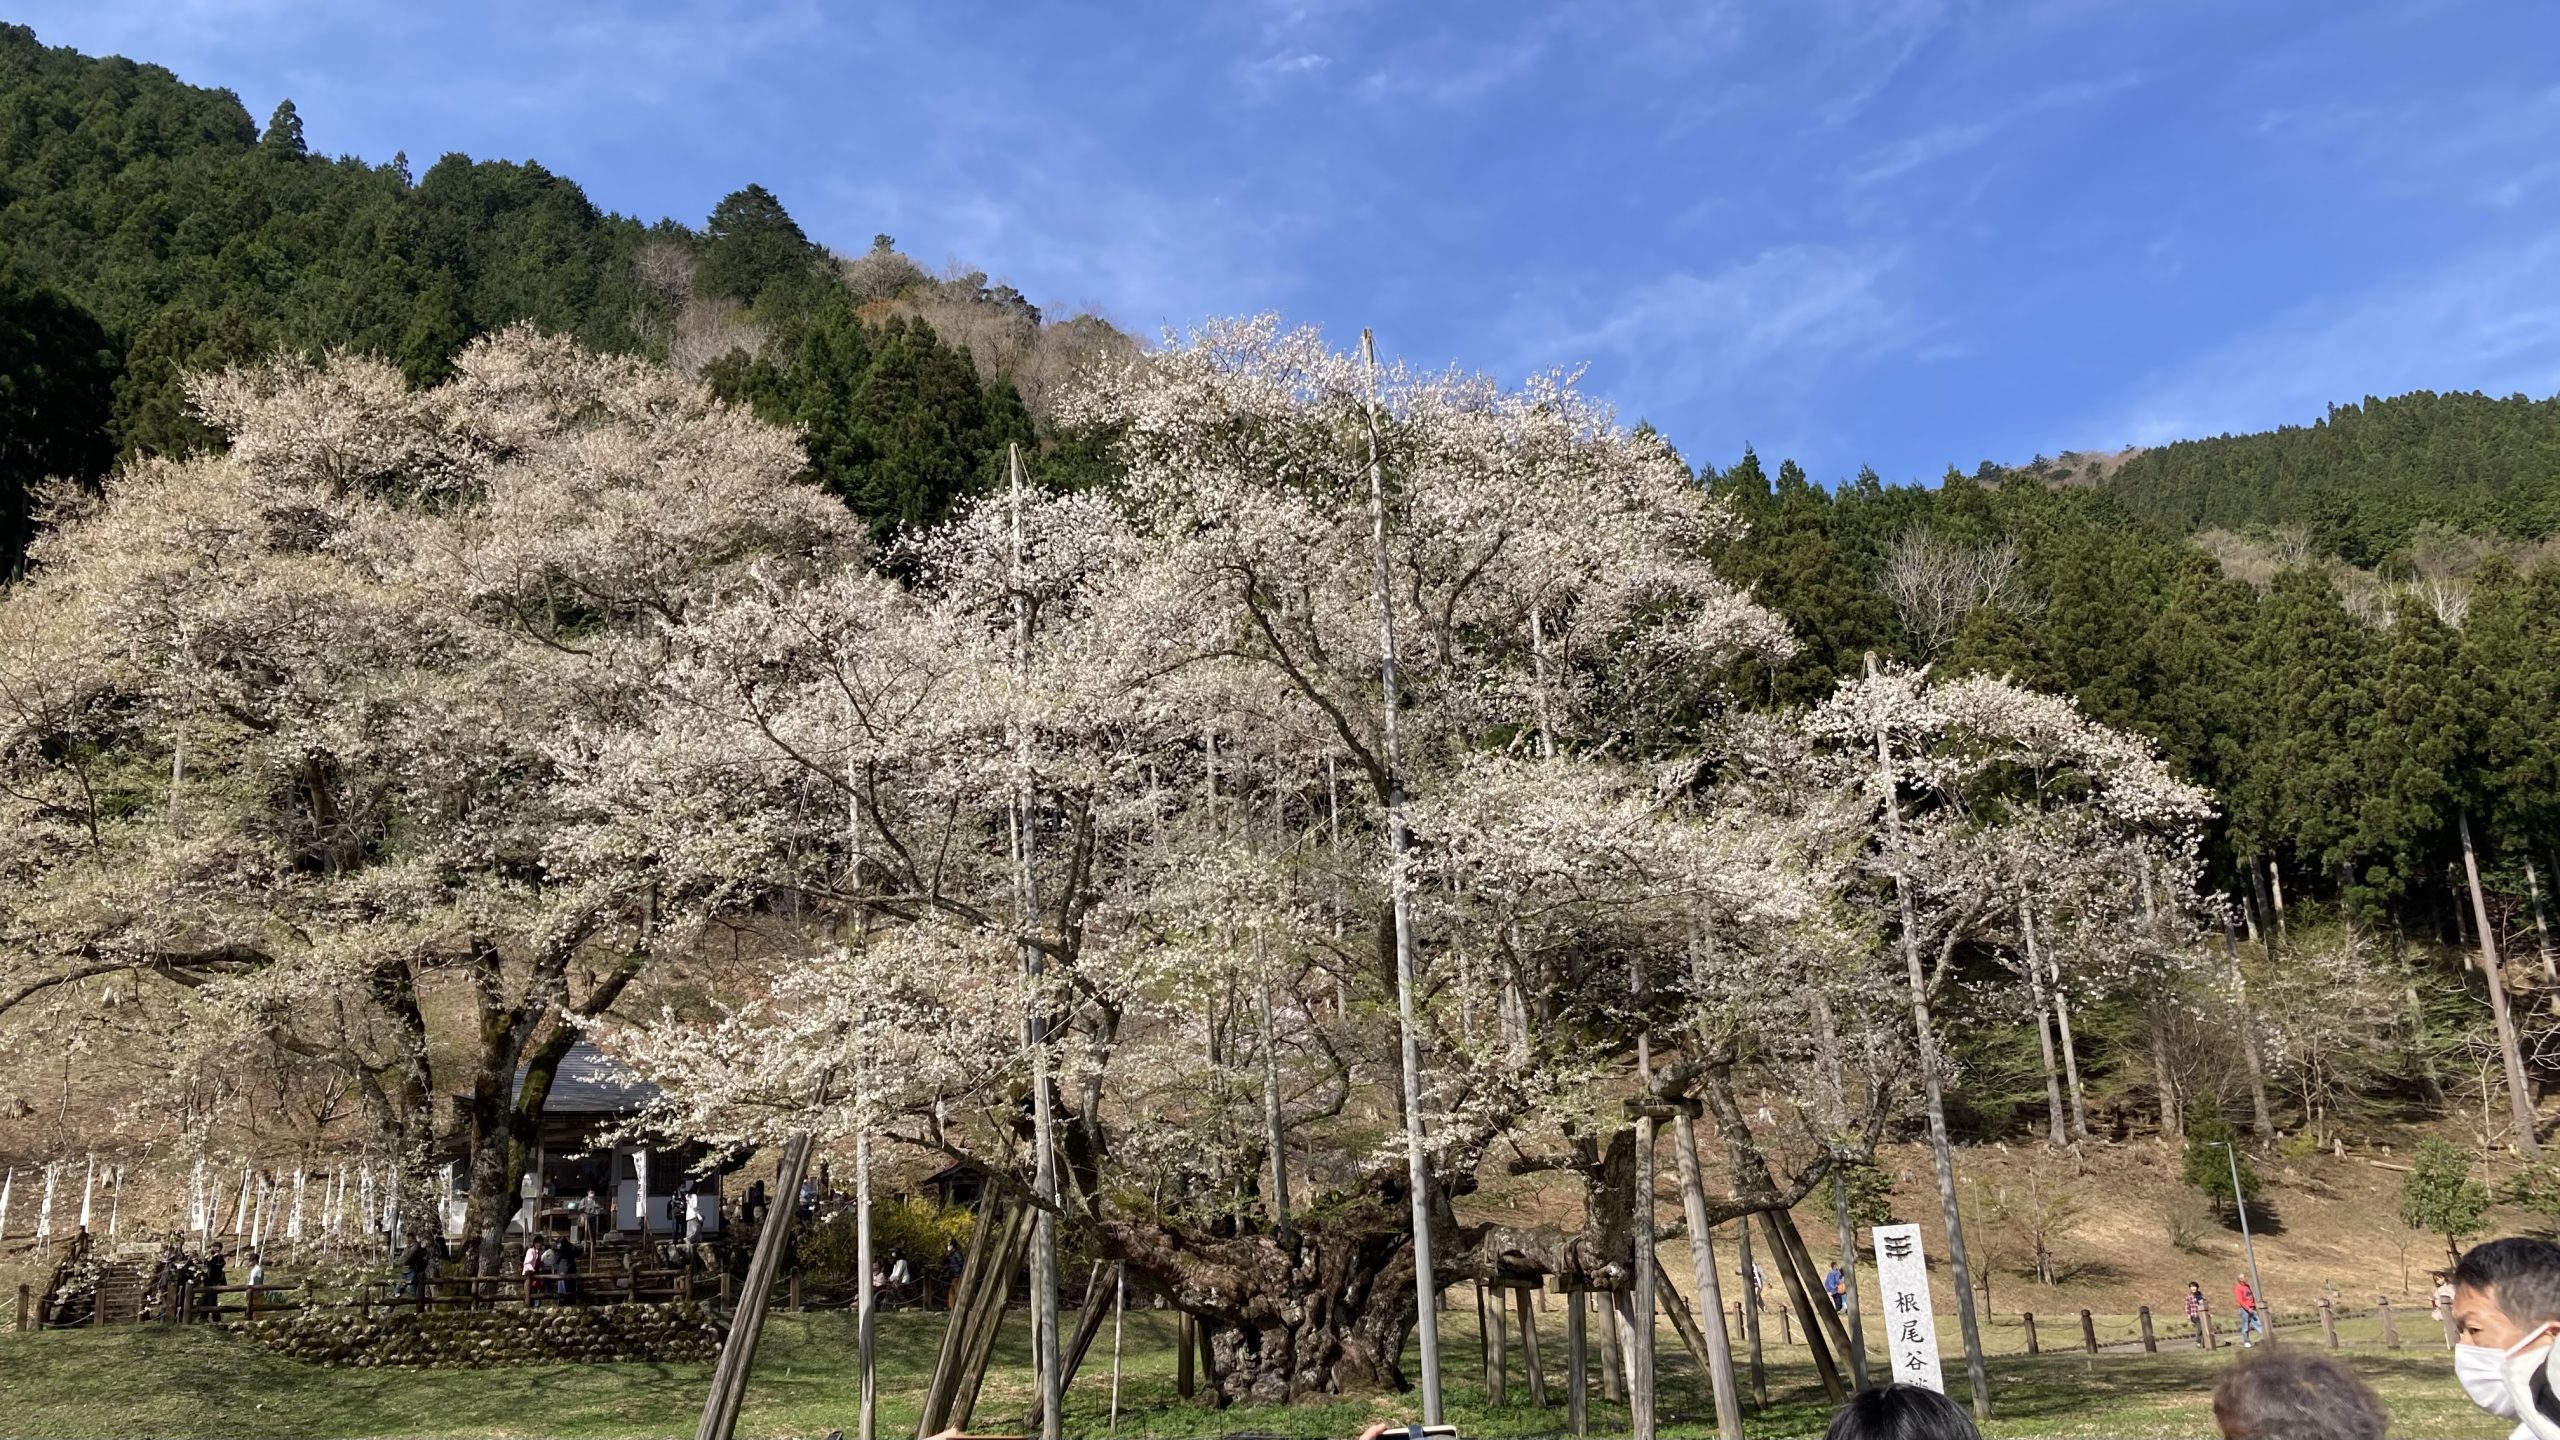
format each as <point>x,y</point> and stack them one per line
<point>432,594</point>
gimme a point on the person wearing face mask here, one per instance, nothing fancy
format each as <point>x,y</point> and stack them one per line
<point>2506,1312</point>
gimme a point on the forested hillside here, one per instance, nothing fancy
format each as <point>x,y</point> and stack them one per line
<point>2345,631</point>
<point>2365,478</point>
<point>149,228</point>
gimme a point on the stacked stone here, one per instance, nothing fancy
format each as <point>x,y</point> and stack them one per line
<point>553,1335</point>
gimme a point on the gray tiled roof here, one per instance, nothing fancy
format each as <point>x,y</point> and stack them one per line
<point>590,1082</point>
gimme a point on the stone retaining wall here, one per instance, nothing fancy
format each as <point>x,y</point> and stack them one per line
<point>677,1331</point>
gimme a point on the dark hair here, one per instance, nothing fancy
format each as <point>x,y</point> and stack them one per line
<point>1901,1412</point>
<point>2521,1274</point>
<point>2296,1397</point>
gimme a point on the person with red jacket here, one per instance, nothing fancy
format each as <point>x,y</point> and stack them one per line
<point>2247,1300</point>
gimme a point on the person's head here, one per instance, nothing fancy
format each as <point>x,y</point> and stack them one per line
<point>2506,1311</point>
<point>1901,1412</point>
<point>2195,1287</point>
<point>2505,1292</point>
<point>2294,1396</point>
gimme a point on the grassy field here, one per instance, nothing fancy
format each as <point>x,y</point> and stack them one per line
<point>197,1382</point>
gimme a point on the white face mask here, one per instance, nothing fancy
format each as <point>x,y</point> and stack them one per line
<point>2482,1369</point>
<point>2484,1372</point>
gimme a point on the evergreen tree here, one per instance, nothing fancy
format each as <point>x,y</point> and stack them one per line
<point>283,135</point>
<point>57,391</point>
<point>2440,1198</point>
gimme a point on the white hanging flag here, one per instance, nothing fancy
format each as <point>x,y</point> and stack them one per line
<point>1911,1324</point>
<point>88,1190</point>
<point>293,1225</point>
<point>196,1218</point>
<point>115,1199</point>
<point>8,1189</point>
<point>44,1214</point>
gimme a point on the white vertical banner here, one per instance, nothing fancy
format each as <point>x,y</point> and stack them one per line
<point>364,1200</point>
<point>8,1192</point>
<point>88,1190</point>
<point>115,1198</point>
<point>44,1214</point>
<point>640,1173</point>
<point>293,1222</point>
<point>196,1219</point>
<point>240,1208</point>
<point>1911,1323</point>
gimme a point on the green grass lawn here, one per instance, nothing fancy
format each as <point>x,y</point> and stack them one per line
<point>198,1382</point>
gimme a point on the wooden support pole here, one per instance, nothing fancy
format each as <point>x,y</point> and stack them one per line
<point>2329,1322</point>
<point>26,1305</point>
<point>1800,1295</point>
<point>1751,1313</point>
<point>1497,1349</point>
<point>1577,1360</point>
<point>1608,1303</point>
<point>1529,1359</point>
<point>2150,1342</point>
<point>1184,1383</point>
<point>2029,1317</point>
<point>2390,1327</point>
<point>1786,1331</point>
<point>2088,1333</point>
<point>1484,1340</point>
<point>2210,1343</point>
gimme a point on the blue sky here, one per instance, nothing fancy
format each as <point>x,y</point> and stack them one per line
<point>1904,233</point>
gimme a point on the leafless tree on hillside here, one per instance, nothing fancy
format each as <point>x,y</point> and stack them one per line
<point>1935,584</point>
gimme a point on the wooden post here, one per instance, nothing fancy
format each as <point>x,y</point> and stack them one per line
<point>1750,1274</point>
<point>2451,1336</point>
<point>2029,1317</point>
<point>2150,1342</point>
<point>1184,1383</point>
<point>1537,1372</point>
<point>2210,1343</point>
<point>26,1305</point>
<point>2390,1327</point>
<point>253,1302</point>
<point>2329,1322</point>
<point>364,1301</point>
<point>1577,1359</point>
<point>1786,1327</point>
<point>2088,1333</point>
<point>1608,1302</point>
<point>795,1289</point>
<point>1497,1348</point>
<point>738,1349</point>
<point>1484,1345</point>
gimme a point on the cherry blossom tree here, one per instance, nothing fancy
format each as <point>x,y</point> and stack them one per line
<point>277,721</point>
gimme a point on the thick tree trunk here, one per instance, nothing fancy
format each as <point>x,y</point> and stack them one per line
<point>2070,1061</point>
<point>2054,1132</point>
<point>2261,1122</point>
<point>1326,1315</point>
<point>997,1244</point>
<point>2164,1075</point>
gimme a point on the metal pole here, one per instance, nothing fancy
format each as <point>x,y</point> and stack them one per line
<point>1417,1165</point>
<point>2248,1246</point>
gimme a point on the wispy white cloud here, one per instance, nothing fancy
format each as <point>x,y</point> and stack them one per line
<point>1737,348</point>
<point>2487,320</point>
<point>1940,142</point>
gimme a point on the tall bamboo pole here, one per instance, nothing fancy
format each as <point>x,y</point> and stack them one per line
<point>1417,1163</point>
<point>1942,1150</point>
<point>1044,1173</point>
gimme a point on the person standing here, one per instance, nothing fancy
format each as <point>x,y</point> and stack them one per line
<point>1836,1285</point>
<point>2195,1311</point>
<point>2247,1299</point>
